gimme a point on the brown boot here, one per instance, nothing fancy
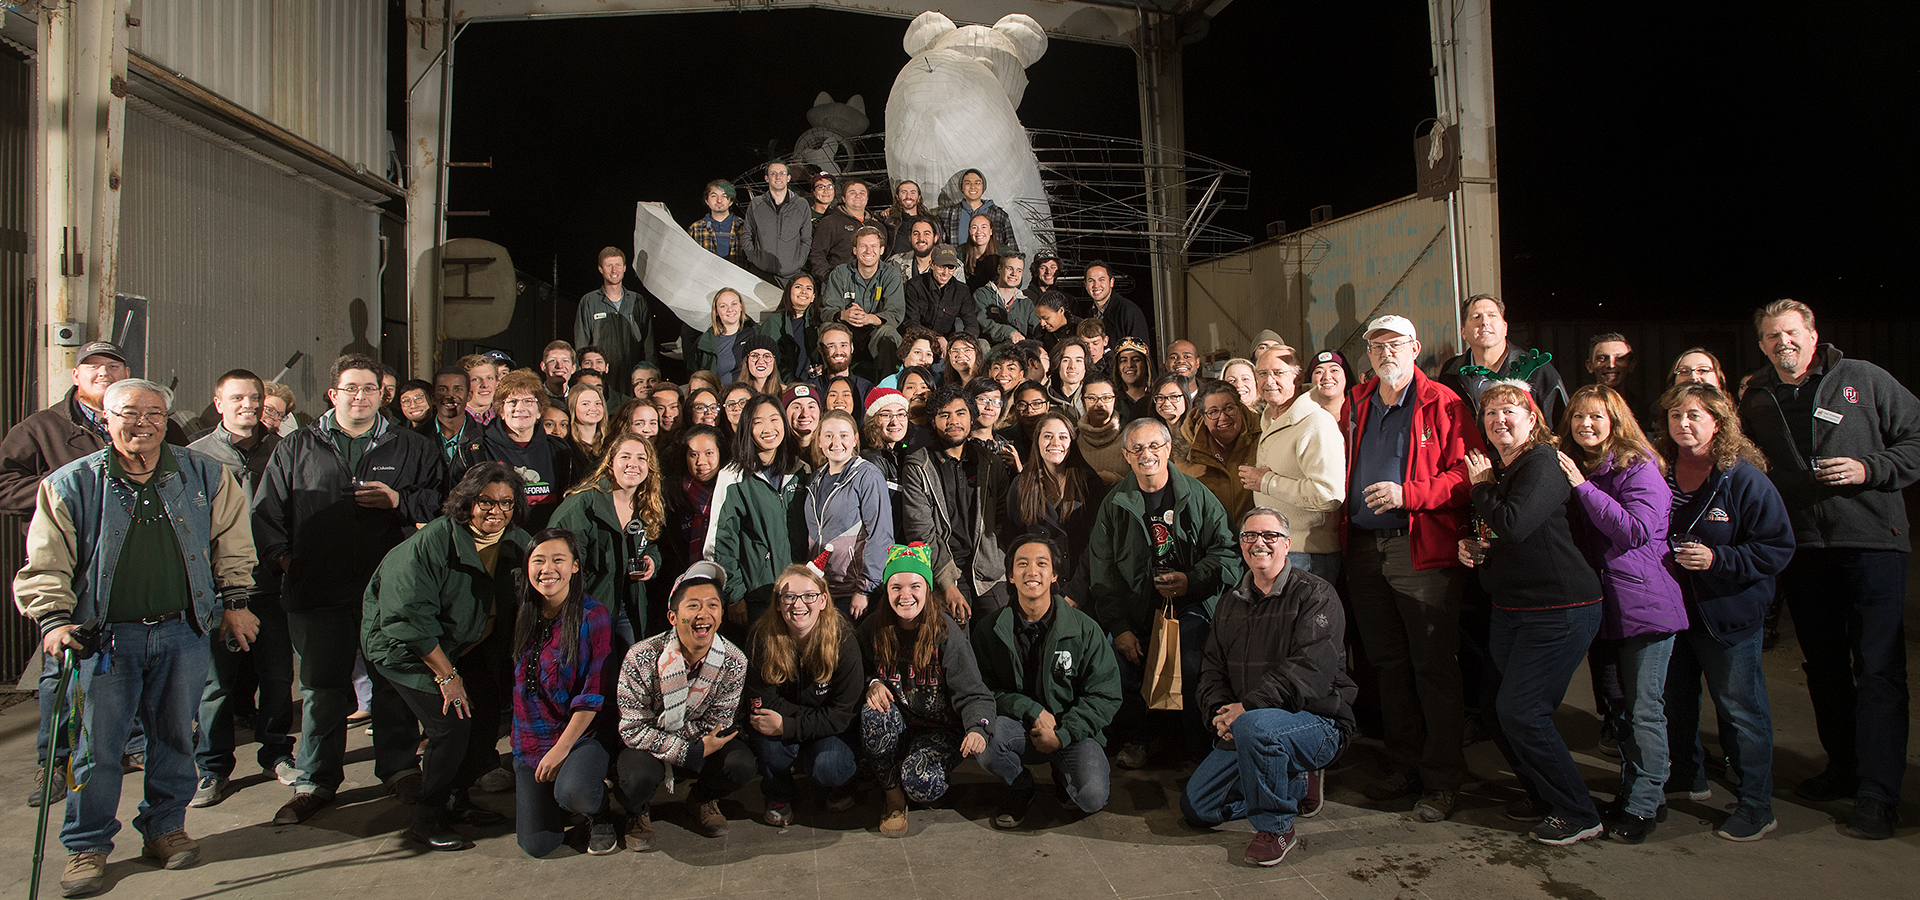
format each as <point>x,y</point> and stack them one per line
<point>893,823</point>
<point>709,820</point>
<point>640,833</point>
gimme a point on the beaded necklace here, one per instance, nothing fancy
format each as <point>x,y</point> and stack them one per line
<point>141,506</point>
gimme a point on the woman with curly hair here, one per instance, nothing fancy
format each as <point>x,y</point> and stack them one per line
<point>803,688</point>
<point>617,514</point>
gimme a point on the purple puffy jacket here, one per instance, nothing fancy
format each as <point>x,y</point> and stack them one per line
<point>1623,534</point>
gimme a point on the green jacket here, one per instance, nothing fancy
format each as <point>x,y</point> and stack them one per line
<point>1082,686</point>
<point>752,532</point>
<point>432,591</point>
<point>605,551</point>
<point>775,324</point>
<point>706,351</point>
<point>1122,565</point>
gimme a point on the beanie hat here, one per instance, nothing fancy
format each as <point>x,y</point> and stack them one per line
<point>758,341</point>
<point>798,392</point>
<point>912,558</point>
<point>882,397</point>
<point>1265,335</point>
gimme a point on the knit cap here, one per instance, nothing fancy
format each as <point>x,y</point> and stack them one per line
<point>882,397</point>
<point>912,558</point>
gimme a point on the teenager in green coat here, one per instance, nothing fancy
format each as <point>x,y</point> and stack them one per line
<point>616,515</point>
<point>756,528</point>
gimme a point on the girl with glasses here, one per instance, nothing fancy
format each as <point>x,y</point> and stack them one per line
<point>803,689</point>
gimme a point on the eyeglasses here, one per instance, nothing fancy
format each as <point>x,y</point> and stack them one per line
<point>1224,412</point>
<point>1263,537</point>
<point>792,600</point>
<point>1154,447</point>
<point>1696,371</point>
<point>986,402</point>
<point>522,401</point>
<point>1168,398</point>
<point>484,503</point>
<point>1034,406</point>
<point>889,416</point>
<point>1096,398</point>
<point>139,418</point>
<point>1387,346</point>
<point>736,404</point>
<point>357,391</point>
<point>706,407</point>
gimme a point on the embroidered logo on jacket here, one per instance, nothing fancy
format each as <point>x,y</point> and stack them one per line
<point>1853,395</point>
<point>1717,514</point>
<point>1063,660</point>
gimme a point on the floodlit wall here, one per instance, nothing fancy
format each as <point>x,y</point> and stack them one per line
<point>1318,287</point>
<point>317,68</point>
<point>242,262</point>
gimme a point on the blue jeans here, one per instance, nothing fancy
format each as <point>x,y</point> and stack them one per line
<point>1738,687</point>
<point>156,674</point>
<point>828,761</point>
<point>1643,745</point>
<point>540,809</point>
<point>1535,653</point>
<point>1262,775</point>
<point>1848,611</point>
<point>270,656</point>
<point>1130,723</point>
<point>1080,766</point>
<point>1325,565</point>
<point>49,685</point>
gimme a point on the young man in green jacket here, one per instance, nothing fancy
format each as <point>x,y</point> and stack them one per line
<point>1161,539</point>
<point>1055,685</point>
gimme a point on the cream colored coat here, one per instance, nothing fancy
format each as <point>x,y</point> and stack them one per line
<point>1307,480</point>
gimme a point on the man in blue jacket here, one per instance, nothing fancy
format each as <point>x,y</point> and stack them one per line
<point>1843,440</point>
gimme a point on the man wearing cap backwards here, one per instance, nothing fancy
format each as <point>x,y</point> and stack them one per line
<point>938,300</point>
<point>1407,500</point>
<point>1122,318</point>
<point>1490,358</point>
<point>679,700</point>
<point>720,231</point>
<point>869,298</point>
<point>1275,691</point>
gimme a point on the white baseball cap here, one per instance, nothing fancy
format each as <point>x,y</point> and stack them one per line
<point>1394,324</point>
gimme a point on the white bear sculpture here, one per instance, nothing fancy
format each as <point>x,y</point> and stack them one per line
<point>953,108</point>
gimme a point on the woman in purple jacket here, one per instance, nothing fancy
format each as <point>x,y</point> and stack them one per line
<point>1621,487</point>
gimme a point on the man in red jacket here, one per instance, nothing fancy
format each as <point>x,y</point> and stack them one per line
<point>1407,499</point>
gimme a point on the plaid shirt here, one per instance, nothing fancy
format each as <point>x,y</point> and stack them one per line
<point>547,691</point>
<point>704,233</point>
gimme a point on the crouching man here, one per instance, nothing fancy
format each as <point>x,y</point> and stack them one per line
<point>1275,685</point>
<point>679,698</point>
<point>1055,686</point>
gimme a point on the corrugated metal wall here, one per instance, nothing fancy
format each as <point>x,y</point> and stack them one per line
<point>1320,285</point>
<point>18,637</point>
<point>315,67</point>
<point>244,264</point>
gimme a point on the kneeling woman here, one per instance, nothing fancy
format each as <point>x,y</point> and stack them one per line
<point>927,707</point>
<point>1546,604</point>
<point>804,690</point>
<point>425,626</point>
<point>562,642</point>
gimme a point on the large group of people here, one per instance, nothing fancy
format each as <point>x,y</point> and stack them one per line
<point>919,514</point>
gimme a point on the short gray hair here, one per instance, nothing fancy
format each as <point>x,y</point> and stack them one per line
<point>1145,422</point>
<point>1286,527</point>
<point>120,389</point>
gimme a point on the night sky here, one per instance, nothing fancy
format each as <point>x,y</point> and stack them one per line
<point>1653,157</point>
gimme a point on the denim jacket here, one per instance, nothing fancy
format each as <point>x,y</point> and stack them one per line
<point>74,540</point>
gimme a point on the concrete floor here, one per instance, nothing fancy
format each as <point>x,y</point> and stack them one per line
<point>1137,848</point>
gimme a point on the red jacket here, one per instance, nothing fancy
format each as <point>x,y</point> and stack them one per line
<point>1435,487</point>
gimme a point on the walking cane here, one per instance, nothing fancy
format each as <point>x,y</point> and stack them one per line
<point>88,636</point>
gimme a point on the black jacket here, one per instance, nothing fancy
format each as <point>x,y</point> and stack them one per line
<point>1280,650</point>
<point>1532,562</point>
<point>546,462</point>
<point>1545,384</point>
<point>1071,534</point>
<point>1879,424</point>
<point>936,307</point>
<point>466,449</point>
<point>812,710</point>
<point>302,508</point>
<point>1123,319</point>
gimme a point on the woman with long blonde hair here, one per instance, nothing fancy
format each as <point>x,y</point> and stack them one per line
<point>804,688</point>
<point>617,513</point>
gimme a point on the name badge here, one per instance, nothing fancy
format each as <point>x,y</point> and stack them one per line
<point>1827,415</point>
<point>598,316</point>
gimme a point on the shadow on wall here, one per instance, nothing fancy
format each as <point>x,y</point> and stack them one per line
<point>357,326</point>
<point>1345,335</point>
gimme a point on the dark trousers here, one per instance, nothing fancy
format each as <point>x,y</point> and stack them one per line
<point>540,808</point>
<point>1535,653</point>
<point>1130,723</point>
<point>270,658</point>
<point>720,773</point>
<point>459,750</point>
<point>1847,608</point>
<point>1409,622</point>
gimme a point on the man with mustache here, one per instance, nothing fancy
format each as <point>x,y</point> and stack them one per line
<point>951,490</point>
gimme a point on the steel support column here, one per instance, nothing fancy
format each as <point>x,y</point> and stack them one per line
<point>429,98</point>
<point>1463,95</point>
<point>1163,130</point>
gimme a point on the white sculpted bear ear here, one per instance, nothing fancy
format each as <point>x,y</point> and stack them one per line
<point>857,103</point>
<point>1027,36</point>
<point>824,99</point>
<point>927,28</point>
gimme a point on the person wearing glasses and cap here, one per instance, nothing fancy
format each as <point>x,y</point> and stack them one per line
<point>1407,499</point>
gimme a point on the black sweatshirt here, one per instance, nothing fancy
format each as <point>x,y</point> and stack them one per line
<point>810,710</point>
<point>1532,562</point>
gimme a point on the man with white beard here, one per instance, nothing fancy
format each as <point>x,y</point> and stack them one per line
<point>1407,498</point>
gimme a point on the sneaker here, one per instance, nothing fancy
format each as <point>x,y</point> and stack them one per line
<point>1013,808</point>
<point>1435,806</point>
<point>211,791</point>
<point>778,814</point>
<point>1559,832</point>
<point>284,771</point>
<point>1871,820</point>
<point>40,781</point>
<point>174,850</point>
<point>84,874</point>
<point>893,822</point>
<point>406,787</point>
<point>1609,744</point>
<point>1746,824</point>
<point>709,820</point>
<point>1268,849</point>
<point>1615,808</point>
<point>498,781</point>
<point>1131,756</point>
<point>1316,794</point>
<point>1828,786</point>
<point>1628,828</point>
<point>639,836</point>
<point>839,799</point>
<point>1392,785</point>
<point>1705,793</point>
<point>603,836</point>
<point>301,808</point>
<point>1527,809</point>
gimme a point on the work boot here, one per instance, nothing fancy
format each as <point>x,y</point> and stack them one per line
<point>893,823</point>
<point>84,874</point>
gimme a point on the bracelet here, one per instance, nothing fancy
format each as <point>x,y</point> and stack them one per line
<point>447,678</point>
